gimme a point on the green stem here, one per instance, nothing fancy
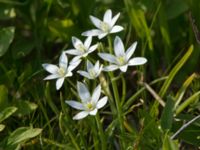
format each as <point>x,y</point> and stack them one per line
<point>101,132</point>
<point>116,95</point>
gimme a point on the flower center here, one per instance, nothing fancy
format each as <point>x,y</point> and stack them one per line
<point>61,71</point>
<point>105,27</point>
<point>92,73</point>
<point>89,106</point>
<point>82,48</point>
<point>121,60</point>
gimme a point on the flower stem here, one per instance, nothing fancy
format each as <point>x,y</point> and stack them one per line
<point>116,96</point>
<point>101,132</point>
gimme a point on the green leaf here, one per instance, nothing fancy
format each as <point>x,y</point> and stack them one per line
<point>3,97</point>
<point>21,134</point>
<point>169,144</point>
<point>174,71</point>
<point>7,112</point>
<point>2,127</point>
<point>167,114</point>
<point>6,37</point>
<point>25,107</point>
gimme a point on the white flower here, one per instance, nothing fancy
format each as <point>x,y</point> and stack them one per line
<point>62,71</point>
<point>122,60</point>
<point>93,71</point>
<point>89,105</point>
<point>105,27</point>
<point>81,49</point>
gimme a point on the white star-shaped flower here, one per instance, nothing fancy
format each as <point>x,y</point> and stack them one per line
<point>105,27</point>
<point>93,71</point>
<point>62,71</point>
<point>121,60</point>
<point>81,49</point>
<point>89,105</point>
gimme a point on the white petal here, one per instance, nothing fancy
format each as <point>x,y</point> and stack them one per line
<point>131,50</point>
<point>89,65</point>
<point>87,42</point>
<point>102,35</point>
<point>107,16</point>
<point>50,68</point>
<point>93,47</point>
<point>110,68</point>
<point>76,42</point>
<point>80,115</point>
<point>116,29</point>
<point>114,19</point>
<point>84,73</point>
<point>69,74</point>
<point>75,59</point>
<point>83,92</point>
<point>102,102</point>
<point>73,64</point>
<point>52,76</point>
<point>93,112</point>
<point>93,32</point>
<point>123,68</point>
<point>107,57</point>
<point>96,21</point>
<point>75,104</point>
<point>63,61</point>
<point>96,66</point>
<point>118,47</point>
<point>59,83</point>
<point>96,94</point>
<point>137,61</point>
<point>73,52</point>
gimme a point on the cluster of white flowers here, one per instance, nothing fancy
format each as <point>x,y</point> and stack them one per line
<point>121,60</point>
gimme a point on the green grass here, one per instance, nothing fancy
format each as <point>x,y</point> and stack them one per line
<point>147,104</point>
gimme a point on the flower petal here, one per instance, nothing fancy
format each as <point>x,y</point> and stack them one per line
<point>137,61</point>
<point>107,16</point>
<point>102,35</point>
<point>93,32</point>
<point>87,42</point>
<point>93,112</point>
<point>110,68</point>
<point>76,42</point>
<point>96,94</point>
<point>131,50</point>
<point>75,104</point>
<point>96,66</point>
<point>96,21</point>
<point>50,68</point>
<point>116,29</point>
<point>118,47</point>
<point>52,76</point>
<point>84,73</point>
<point>73,64</point>
<point>73,52</point>
<point>59,83</point>
<point>102,102</point>
<point>80,115</point>
<point>114,19</point>
<point>92,48</point>
<point>107,57</point>
<point>89,65</point>
<point>63,61</point>
<point>83,92</point>
<point>123,68</point>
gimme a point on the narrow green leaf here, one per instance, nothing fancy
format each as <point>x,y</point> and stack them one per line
<point>174,70</point>
<point>21,134</point>
<point>167,114</point>
<point>7,112</point>
<point>169,144</point>
<point>2,127</point>
<point>6,37</point>
<point>3,97</point>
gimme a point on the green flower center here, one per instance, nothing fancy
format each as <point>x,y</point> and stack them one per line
<point>105,27</point>
<point>121,60</point>
<point>61,72</point>
<point>82,48</point>
<point>89,106</point>
<point>92,73</point>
